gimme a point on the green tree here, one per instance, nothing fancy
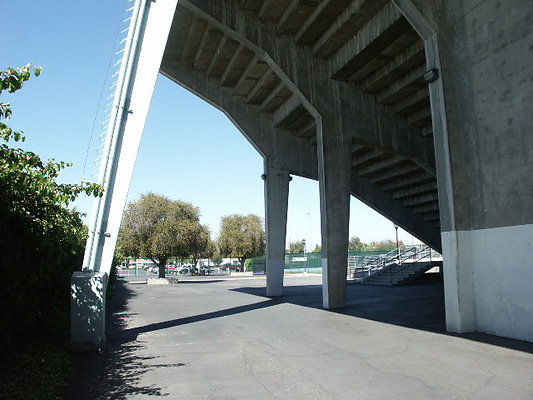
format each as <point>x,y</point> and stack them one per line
<point>383,245</point>
<point>200,247</point>
<point>297,247</point>
<point>214,252</point>
<point>318,249</point>
<point>242,237</point>
<point>159,228</point>
<point>356,244</point>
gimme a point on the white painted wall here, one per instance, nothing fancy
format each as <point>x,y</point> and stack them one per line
<point>489,281</point>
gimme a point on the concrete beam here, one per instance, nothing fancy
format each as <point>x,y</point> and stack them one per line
<point>206,49</point>
<point>369,42</point>
<point>245,74</point>
<point>255,93</point>
<point>403,87</point>
<point>295,15</point>
<point>395,174</point>
<point>264,107</point>
<point>194,36</point>
<point>221,57</point>
<point>319,20</point>
<point>432,217</point>
<point>251,4</point>
<point>199,49</point>
<point>416,190</point>
<point>412,102</point>
<point>408,182</point>
<point>427,208</point>
<point>287,113</point>
<point>358,148</point>
<point>346,24</point>
<point>379,166</point>
<point>308,130</point>
<point>360,159</point>
<point>394,69</point>
<point>271,10</point>
<point>225,78</point>
<point>427,198</point>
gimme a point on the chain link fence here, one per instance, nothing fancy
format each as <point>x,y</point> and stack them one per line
<point>297,263</point>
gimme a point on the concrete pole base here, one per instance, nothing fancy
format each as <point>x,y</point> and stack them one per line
<point>87,310</point>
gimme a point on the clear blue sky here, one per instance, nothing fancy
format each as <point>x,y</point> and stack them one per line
<point>190,151</point>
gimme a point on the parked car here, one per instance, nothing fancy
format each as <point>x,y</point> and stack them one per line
<point>206,270</point>
<point>231,267</point>
<point>185,269</point>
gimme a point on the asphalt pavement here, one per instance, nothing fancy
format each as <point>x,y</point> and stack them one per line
<point>223,339</point>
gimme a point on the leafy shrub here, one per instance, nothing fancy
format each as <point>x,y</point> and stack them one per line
<point>42,243</point>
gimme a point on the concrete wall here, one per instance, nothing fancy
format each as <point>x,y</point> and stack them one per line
<point>487,55</point>
<point>486,49</point>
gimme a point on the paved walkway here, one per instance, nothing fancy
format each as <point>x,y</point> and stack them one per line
<point>209,339</point>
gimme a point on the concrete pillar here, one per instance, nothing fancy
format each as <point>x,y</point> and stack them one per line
<point>481,111</point>
<point>88,301</point>
<point>334,171</point>
<point>276,201</point>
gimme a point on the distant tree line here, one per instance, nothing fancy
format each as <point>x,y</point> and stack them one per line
<point>355,244</point>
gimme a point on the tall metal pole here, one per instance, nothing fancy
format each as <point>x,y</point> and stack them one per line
<point>306,264</point>
<point>397,243</point>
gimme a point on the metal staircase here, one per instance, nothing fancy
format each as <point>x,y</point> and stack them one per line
<point>397,267</point>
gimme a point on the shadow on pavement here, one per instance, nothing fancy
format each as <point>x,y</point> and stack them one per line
<point>130,335</point>
<point>189,282</point>
<point>115,372</point>
<point>419,305</point>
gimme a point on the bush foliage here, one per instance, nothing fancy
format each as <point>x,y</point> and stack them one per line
<point>42,240</point>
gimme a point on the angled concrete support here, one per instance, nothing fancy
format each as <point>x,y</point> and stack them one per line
<point>334,171</point>
<point>143,52</point>
<point>140,66</point>
<point>276,201</point>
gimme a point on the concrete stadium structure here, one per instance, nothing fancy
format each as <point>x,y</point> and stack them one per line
<point>422,109</point>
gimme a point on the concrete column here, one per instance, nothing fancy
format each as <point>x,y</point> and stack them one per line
<point>334,171</point>
<point>276,201</point>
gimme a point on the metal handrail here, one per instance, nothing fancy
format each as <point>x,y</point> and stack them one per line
<point>393,261</point>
